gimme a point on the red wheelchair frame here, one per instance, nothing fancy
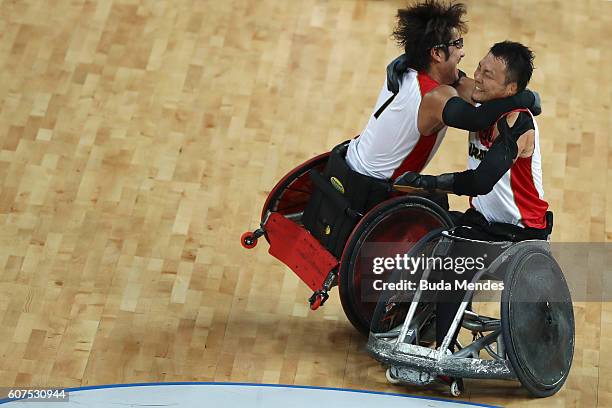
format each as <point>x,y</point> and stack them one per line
<point>398,223</point>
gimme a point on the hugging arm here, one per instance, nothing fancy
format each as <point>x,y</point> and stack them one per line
<point>481,180</point>
<point>460,114</point>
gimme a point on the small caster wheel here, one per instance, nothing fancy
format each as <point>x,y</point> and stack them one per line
<point>456,387</point>
<point>248,240</point>
<point>317,299</point>
<point>316,303</point>
<point>390,377</point>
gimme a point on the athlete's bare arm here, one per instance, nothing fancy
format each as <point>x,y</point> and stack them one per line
<point>430,111</point>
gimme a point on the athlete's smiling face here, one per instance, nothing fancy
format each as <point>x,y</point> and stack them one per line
<point>490,80</point>
<point>448,66</point>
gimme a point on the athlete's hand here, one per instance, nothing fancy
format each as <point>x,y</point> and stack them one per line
<point>536,108</point>
<point>416,181</point>
<point>531,100</point>
<point>395,71</point>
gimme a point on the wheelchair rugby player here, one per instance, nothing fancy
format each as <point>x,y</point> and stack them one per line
<point>508,221</point>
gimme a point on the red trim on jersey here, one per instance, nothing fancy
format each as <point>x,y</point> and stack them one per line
<point>526,196</point>
<point>426,83</point>
<point>417,158</point>
<point>486,136</point>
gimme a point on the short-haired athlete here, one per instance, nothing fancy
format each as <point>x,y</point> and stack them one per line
<point>504,175</point>
<point>420,97</point>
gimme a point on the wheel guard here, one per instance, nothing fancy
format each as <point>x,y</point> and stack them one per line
<point>299,250</point>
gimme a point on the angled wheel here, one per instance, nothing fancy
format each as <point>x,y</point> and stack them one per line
<point>393,227</point>
<point>392,306</point>
<point>537,321</point>
<point>291,194</point>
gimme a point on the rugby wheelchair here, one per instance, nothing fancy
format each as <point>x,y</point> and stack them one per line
<point>322,218</point>
<point>532,340</point>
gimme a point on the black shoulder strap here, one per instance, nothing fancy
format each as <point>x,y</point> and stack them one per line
<point>384,106</point>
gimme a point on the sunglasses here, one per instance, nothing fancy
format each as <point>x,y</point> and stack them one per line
<point>458,43</point>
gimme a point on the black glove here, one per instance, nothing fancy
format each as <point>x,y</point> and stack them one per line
<point>395,72</point>
<point>530,100</point>
<point>442,182</point>
<point>536,108</point>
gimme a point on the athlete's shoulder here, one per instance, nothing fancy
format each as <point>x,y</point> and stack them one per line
<point>439,96</point>
<point>430,110</point>
<point>441,92</point>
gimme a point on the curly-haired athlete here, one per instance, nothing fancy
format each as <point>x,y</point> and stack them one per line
<point>420,97</point>
<point>407,126</point>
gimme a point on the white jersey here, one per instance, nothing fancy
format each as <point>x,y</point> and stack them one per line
<point>518,197</point>
<point>392,144</point>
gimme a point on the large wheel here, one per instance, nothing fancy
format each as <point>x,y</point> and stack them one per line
<point>393,227</point>
<point>292,192</point>
<point>537,321</point>
<point>392,306</point>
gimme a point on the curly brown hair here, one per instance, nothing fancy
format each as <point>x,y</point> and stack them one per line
<point>424,25</point>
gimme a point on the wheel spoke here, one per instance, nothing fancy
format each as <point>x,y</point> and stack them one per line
<point>297,190</point>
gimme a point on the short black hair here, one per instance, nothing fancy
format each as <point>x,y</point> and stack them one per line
<point>424,25</point>
<point>518,59</point>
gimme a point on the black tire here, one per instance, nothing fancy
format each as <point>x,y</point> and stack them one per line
<point>537,321</point>
<point>401,221</point>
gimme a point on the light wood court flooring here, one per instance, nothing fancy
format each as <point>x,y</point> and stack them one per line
<point>139,138</point>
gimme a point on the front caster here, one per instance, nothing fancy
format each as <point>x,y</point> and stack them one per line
<point>455,384</point>
<point>391,378</point>
<point>456,387</point>
<point>317,299</point>
<point>248,240</point>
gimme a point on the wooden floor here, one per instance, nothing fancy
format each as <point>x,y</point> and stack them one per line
<point>138,140</point>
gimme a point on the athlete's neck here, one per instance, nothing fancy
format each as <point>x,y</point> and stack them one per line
<point>434,74</point>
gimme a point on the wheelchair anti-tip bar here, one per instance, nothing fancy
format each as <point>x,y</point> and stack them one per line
<point>433,362</point>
